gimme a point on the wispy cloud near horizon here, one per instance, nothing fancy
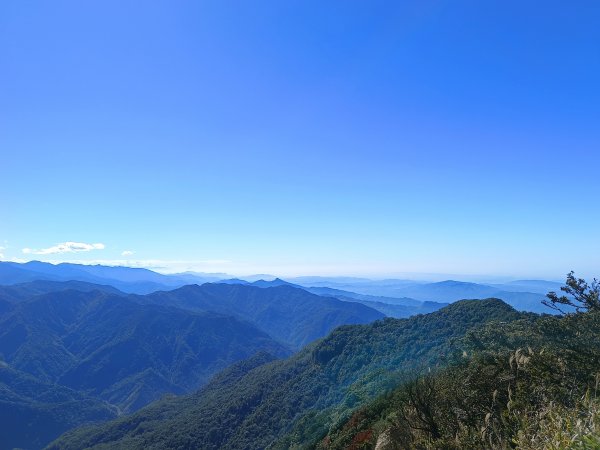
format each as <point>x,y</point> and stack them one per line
<point>65,247</point>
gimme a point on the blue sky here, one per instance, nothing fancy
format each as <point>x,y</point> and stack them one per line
<point>303,137</point>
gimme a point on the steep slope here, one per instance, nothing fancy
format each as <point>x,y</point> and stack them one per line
<point>290,315</point>
<point>390,307</point>
<point>521,385</point>
<point>33,413</point>
<point>121,351</point>
<point>291,402</point>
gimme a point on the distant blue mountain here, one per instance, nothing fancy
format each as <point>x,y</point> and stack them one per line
<point>391,307</point>
<point>273,283</point>
<point>24,291</point>
<point>421,298</point>
<point>525,295</point>
<point>403,301</point>
<point>522,295</point>
<point>233,281</point>
<point>291,315</point>
<point>258,283</point>
<point>536,286</point>
<point>126,279</point>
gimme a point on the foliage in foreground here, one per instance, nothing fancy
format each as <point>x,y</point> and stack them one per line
<point>517,387</point>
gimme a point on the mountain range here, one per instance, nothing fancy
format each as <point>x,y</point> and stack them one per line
<point>121,351</point>
<point>264,403</point>
<point>127,279</point>
<point>100,352</point>
<point>292,315</point>
<point>524,295</point>
<point>279,362</point>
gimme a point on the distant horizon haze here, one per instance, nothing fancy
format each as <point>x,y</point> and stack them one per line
<point>246,272</point>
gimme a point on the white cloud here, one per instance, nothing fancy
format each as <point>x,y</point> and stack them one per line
<point>127,253</point>
<point>2,252</point>
<point>65,247</point>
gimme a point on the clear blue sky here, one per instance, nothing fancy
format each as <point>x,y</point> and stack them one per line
<point>303,137</point>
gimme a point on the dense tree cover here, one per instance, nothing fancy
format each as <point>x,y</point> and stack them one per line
<point>289,314</point>
<point>33,413</point>
<point>528,384</point>
<point>120,351</point>
<point>24,291</point>
<point>70,357</point>
<point>293,402</point>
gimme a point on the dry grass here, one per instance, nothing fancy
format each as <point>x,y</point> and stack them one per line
<point>558,428</point>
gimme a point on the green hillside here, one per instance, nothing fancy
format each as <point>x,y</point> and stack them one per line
<point>295,401</point>
<point>527,386</point>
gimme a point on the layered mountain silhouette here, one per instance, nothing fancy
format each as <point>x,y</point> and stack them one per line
<point>289,314</point>
<point>525,295</point>
<point>390,306</point>
<point>262,403</point>
<point>199,365</point>
<point>111,353</point>
<point>127,279</point>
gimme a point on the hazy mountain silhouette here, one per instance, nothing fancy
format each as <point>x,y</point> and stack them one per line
<point>126,279</point>
<point>291,315</point>
<point>522,294</point>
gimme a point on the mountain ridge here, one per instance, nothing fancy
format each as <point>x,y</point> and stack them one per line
<point>262,406</point>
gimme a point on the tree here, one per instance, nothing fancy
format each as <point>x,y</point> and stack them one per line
<point>580,296</point>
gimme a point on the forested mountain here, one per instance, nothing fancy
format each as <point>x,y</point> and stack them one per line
<point>23,291</point>
<point>294,401</point>
<point>68,357</point>
<point>526,385</point>
<point>388,306</point>
<point>74,352</point>
<point>291,315</point>
<point>33,412</point>
<point>120,351</point>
